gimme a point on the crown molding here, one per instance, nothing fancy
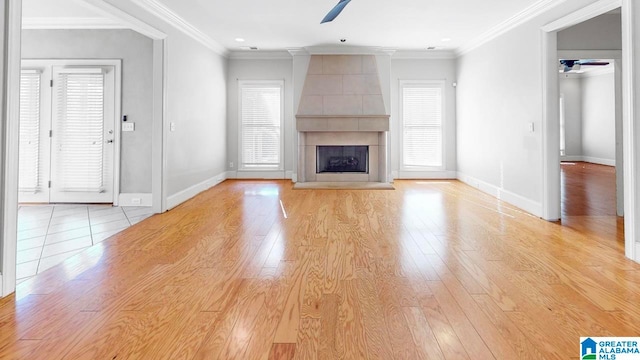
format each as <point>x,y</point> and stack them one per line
<point>38,23</point>
<point>341,50</point>
<point>260,55</point>
<point>122,17</point>
<point>424,55</point>
<point>584,14</point>
<point>169,16</point>
<point>518,19</point>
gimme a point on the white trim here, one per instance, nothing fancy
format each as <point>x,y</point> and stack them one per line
<point>444,174</point>
<point>341,50</point>
<point>9,180</point>
<point>294,176</point>
<point>288,175</point>
<point>526,204</point>
<point>135,199</point>
<point>550,128</point>
<point>157,129</point>
<point>631,138</point>
<point>586,13</point>
<point>188,193</point>
<point>260,55</point>
<point>589,159</point>
<point>164,13</point>
<point>518,19</point>
<point>125,18</point>
<point>39,23</point>
<point>424,54</point>
<point>605,70</point>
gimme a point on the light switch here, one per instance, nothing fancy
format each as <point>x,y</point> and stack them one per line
<point>172,126</point>
<point>531,127</point>
<point>128,126</point>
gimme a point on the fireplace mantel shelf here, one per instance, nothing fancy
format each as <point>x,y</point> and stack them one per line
<point>340,123</point>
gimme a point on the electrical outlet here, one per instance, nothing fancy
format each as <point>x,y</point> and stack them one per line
<point>231,164</point>
<point>128,126</point>
<point>172,126</point>
<point>136,201</point>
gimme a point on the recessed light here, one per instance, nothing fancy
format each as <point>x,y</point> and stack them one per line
<point>445,39</point>
<point>239,39</point>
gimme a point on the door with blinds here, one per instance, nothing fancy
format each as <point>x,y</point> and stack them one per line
<point>74,162</point>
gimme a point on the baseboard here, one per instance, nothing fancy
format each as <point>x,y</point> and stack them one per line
<point>599,161</point>
<point>526,204</point>
<point>135,199</point>
<point>269,175</point>
<point>426,175</point>
<point>589,159</point>
<point>294,177</point>
<point>186,194</point>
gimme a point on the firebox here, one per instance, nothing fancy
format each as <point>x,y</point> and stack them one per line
<point>342,159</point>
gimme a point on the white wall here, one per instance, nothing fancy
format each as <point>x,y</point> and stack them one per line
<point>260,69</point>
<point>571,90</point>
<point>425,69</point>
<point>598,119</point>
<point>499,96</point>
<point>136,52</point>
<point>196,103</point>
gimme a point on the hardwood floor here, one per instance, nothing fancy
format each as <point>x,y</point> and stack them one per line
<point>256,270</point>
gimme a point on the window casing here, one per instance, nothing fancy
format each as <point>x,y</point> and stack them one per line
<point>261,111</point>
<point>422,125</point>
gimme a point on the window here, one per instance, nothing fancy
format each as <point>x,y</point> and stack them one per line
<point>30,176</point>
<point>422,125</point>
<point>261,112</point>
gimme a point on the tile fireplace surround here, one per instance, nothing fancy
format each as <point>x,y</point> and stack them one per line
<point>342,104</point>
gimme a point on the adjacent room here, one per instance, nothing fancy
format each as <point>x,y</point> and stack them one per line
<point>324,180</point>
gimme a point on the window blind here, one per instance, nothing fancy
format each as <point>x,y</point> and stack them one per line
<point>260,127</point>
<point>79,130</point>
<point>422,126</point>
<point>30,179</point>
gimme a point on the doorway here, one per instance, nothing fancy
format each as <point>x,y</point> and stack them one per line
<point>551,140</point>
<point>69,131</point>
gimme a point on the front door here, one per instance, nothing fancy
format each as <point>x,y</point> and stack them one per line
<point>78,142</point>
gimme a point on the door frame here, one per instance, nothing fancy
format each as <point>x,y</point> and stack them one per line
<point>550,123</point>
<point>117,103</point>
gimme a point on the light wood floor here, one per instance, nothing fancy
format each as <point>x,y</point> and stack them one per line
<point>429,270</point>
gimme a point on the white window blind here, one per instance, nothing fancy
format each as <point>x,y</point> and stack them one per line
<point>30,179</point>
<point>422,126</point>
<point>79,130</point>
<point>260,126</point>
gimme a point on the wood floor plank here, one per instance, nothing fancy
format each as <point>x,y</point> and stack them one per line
<point>431,269</point>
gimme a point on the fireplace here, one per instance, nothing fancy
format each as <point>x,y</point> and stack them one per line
<point>342,122</point>
<point>342,159</point>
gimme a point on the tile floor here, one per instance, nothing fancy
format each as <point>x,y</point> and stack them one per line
<point>50,234</point>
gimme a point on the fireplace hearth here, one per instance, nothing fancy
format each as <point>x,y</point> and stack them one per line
<point>342,159</point>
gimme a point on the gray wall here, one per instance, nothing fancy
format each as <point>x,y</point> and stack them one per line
<point>599,33</point>
<point>571,90</point>
<point>136,52</point>
<point>599,117</point>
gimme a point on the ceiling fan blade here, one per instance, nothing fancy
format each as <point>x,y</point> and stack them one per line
<point>595,63</point>
<point>335,11</point>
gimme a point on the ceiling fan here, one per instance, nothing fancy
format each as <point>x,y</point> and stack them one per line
<point>569,65</point>
<point>333,13</point>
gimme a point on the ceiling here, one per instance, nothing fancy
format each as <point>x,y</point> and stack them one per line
<point>282,24</point>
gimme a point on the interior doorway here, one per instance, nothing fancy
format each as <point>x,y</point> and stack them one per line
<point>625,144</point>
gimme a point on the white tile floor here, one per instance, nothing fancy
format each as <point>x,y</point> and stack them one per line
<point>50,234</point>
